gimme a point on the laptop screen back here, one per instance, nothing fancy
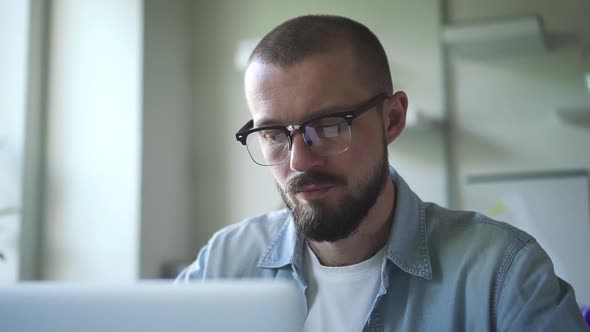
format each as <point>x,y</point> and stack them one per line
<point>152,307</point>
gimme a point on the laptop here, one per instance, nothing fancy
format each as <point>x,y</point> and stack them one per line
<point>260,306</point>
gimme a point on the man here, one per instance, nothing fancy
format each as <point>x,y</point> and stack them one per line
<point>365,251</point>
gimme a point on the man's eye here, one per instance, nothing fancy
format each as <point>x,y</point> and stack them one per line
<point>329,127</point>
<point>274,137</point>
<point>330,131</point>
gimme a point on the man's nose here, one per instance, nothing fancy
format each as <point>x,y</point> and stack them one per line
<point>302,159</point>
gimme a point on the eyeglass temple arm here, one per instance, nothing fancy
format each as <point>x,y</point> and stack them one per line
<point>240,136</point>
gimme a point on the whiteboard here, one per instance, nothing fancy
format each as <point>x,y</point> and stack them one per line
<point>554,207</point>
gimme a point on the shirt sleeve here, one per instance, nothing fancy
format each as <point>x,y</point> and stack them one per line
<point>195,271</point>
<point>533,298</point>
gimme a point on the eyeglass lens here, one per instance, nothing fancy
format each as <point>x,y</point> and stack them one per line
<point>324,137</point>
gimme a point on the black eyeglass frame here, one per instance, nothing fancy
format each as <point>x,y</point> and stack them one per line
<point>348,116</point>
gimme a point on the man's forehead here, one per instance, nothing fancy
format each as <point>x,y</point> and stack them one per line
<point>259,78</point>
<point>263,92</point>
<point>315,85</point>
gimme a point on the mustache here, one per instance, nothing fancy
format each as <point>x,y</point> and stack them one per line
<point>312,178</point>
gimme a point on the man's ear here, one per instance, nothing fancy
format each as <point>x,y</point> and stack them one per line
<point>394,115</point>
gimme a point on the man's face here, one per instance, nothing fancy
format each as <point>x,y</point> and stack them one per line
<point>328,196</point>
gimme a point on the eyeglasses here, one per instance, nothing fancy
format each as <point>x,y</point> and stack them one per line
<point>325,135</point>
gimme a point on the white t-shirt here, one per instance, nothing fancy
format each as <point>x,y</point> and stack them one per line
<point>340,298</point>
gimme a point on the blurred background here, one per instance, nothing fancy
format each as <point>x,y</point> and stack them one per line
<point>117,118</point>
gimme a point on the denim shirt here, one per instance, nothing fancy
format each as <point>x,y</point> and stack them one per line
<point>444,270</point>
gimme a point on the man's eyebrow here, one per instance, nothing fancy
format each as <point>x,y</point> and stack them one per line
<point>266,122</point>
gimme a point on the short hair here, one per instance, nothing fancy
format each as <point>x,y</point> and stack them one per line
<point>304,36</point>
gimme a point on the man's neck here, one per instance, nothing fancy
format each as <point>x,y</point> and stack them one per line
<point>370,237</point>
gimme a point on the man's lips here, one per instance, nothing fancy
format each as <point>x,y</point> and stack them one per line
<point>313,191</point>
<point>313,185</point>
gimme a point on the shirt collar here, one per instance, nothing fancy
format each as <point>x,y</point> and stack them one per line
<point>407,246</point>
<point>285,249</point>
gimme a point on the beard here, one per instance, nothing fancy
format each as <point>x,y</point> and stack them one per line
<point>315,220</point>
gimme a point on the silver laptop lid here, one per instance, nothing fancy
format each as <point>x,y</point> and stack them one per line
<point>152,307</point>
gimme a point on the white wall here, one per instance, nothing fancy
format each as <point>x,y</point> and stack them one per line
<point>14,17</point>
<point>92,183</point>
<point>505,106</point>
<point>167,222</point>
